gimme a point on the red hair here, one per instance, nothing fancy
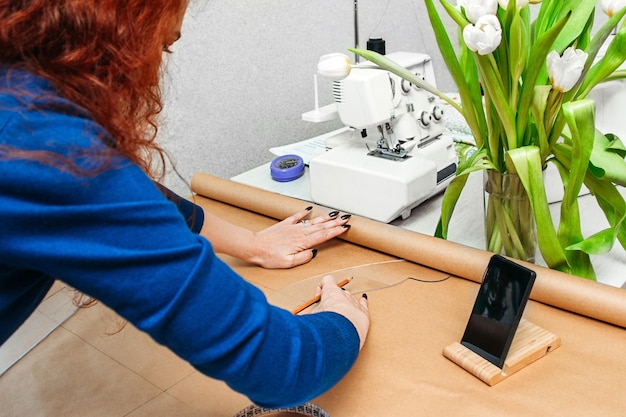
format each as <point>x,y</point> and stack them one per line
<point>104,55</point>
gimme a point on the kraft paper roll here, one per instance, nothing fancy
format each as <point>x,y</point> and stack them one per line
<point>578,295</point>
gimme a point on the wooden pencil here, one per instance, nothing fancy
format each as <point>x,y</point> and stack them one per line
<point>317,298</point>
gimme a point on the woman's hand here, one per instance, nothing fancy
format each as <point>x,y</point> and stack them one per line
<point>335,299</point>
<point>286,244</point>
<point>290,242</point>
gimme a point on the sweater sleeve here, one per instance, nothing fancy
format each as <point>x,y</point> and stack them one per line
<point>192,213</point>
<point>115,237</point>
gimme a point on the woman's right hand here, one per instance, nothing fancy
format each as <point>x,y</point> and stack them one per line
<point>335,299</point>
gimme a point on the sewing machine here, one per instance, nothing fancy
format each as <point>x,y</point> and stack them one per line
<point>395,154</point>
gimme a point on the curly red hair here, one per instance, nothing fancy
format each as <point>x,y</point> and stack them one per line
<point>104,55</point>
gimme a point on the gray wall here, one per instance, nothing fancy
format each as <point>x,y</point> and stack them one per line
<point>242,74</point>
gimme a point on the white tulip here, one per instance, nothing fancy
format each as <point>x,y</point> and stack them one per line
<point>610,7</point>
<point>334,66</point>
<point>518,3</point>
<point>484,36</point>
<point>474,9</point>
<point>565,70</point>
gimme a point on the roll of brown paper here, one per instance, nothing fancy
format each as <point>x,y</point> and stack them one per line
<point>555,288</point>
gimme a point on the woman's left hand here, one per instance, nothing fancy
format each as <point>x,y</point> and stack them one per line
<point>291,242</point>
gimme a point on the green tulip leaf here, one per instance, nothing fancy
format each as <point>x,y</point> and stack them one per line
<point>580,11</point>
<point>468,90</point>
<point>598,244</point>
<point>607,158</point>
<point>538,110</point>
<point>612,59</point>
<point>526,162</point>
<point>579,116</point>
<point>450,198</point>
<point>536,70</point>
<point>611,202</point>
<point>476,162</point>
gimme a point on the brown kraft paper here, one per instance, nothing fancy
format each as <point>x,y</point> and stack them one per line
<point>578,295</point>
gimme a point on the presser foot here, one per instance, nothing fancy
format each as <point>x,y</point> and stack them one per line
<point>392,155</point>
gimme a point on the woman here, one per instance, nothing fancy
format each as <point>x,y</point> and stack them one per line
<point>79,93</point>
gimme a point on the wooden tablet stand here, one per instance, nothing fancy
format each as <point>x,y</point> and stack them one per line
<point>530,343</point>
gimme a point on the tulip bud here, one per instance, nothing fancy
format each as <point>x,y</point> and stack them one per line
<point>565,70</point>
<point>474,9</point>
<point>610,7</point>
<point>334,66</point>
<point>484,36</point>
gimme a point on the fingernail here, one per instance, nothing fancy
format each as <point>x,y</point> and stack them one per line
<point>309,208</point>
<point>346,216</point>
<point>333,214</point>
<point>346,226</point>
<point>314,253</point>
<point>364,296</point>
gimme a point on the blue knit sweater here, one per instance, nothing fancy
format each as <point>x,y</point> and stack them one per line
<point>115,237</point>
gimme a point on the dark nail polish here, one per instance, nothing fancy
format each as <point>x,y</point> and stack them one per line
<point>346,216</point>
<point>364,296</point>
<point>346,226</point>
<point>333,214</point>
<point>314,251</point>
<point>309,208</point>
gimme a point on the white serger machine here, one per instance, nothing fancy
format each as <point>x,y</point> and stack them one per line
<point>395,154</point>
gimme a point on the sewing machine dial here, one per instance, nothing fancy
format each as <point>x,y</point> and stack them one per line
<point>406,87</point>
<point>437,114</point>
<point>425,119</point>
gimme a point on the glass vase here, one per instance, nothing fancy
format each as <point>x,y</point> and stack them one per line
<point>509,221</point>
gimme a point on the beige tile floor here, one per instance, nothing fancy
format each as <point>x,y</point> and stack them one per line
<point>95,365</point>
<point>54,310</point>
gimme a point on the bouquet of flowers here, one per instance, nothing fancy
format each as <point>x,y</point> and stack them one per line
<point>523,85</point>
